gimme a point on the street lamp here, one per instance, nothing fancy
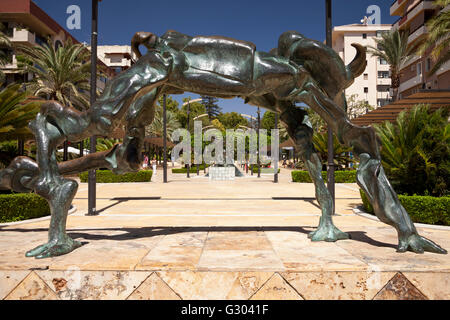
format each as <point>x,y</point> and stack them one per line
<point>164,140</point>
<point>330,171</point>
<point>188,103</point>
<point>93,140</point>
<point>259,126</point>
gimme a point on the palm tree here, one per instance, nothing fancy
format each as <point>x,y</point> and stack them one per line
<point>15,113</point>
<point>156,127</point>
<point>5,45</point>
<point>60,74</point>
<point>416,151</point>
<point>320,142</point>
<point>438,37</point>
<point>393,47</point>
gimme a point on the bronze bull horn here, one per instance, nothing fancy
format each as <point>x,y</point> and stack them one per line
<point>359,63</point>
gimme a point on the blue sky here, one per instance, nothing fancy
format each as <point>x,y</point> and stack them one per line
<point>258,21</point>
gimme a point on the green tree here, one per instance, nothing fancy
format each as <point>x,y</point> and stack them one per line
<point>438,37</point>
<point>394,48</point>
<point>232,120</point>
<point>61,74</point>
<point>156,128</point>
<point>211,107</point>
<point>15,113</point>
<point>416,151</point>
<point>171,104</point>
<point>195,109</point>
<point>357,107</point>
<point>5,51</point>
<point>320,142</point>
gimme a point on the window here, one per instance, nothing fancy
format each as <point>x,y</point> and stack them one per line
<point>382,61</point>
<point>366,76</point>
<point>115,59</point>
<point>364,35</point>
<point>428,65</point>
<point>419,68</point>
<point>366,89</point>
<point>383,74</point>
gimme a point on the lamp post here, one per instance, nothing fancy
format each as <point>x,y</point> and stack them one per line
<point>92,173</point>
<point>275,166</point>
<point>164,140</point>
<point>251,123</point>
<point>330,169</point>
<point>198,117</point>
<point>188,103</point>
<point>257,159</point>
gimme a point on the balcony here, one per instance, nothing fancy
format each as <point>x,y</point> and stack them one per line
<point>444,68</point>
<point>421,6</point>
<point>397,7</point>
<point>384,81</point>
<point>419,33</point>
<point>411,83</point>
<point>23,36</point>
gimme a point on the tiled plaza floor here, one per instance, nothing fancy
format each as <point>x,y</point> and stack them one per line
<point>241,239</point>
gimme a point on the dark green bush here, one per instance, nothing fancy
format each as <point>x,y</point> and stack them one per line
<point>422,209</point>
<point>340,176</point>
<point>106,176</point>
<point>21,206</point>
<point>264,170</point>
<point>192,169</point>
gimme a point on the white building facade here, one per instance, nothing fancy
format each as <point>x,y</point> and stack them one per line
<point>373,85</point>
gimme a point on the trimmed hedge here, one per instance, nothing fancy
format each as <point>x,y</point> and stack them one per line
<point>192,169</point>
<point>22,206</point>
<point>348,176</point>
<point>264,170</point>
<point>107,176</point>
<point>421,209</point>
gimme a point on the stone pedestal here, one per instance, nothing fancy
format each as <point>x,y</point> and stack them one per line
<point>221,173</point>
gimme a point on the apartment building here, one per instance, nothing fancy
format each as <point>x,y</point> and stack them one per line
<point>414,14</point>
<point>373,85</point>
<point>25,23</point>
<point>117,57</point>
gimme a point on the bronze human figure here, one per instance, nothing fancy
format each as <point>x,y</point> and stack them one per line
<point>298,70</point>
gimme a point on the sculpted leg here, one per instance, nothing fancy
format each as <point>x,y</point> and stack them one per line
<point>124,95</point>
<point>302,135</point>
<point>370,175</point>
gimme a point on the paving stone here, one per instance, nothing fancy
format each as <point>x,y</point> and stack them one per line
<point>32,288</point>
<point>76,284</point>
<point>434,285</point>
<point>276,288</point>
<point>342,285</point>
<point>247,283</point>
<point>199,285</point>
<point>153,288</point>
<point>399,288</point>
<point>240,260</point>
<point>9,280</point>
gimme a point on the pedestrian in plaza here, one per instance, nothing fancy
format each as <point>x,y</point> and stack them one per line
<point>154,166</point>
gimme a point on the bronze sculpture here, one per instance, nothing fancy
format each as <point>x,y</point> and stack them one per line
<point>299,70</point>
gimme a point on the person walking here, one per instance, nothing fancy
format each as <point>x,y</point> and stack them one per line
<point>145,163</point>
<point>154,166</point>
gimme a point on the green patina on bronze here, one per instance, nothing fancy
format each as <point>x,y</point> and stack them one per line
<point>298,70</point>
